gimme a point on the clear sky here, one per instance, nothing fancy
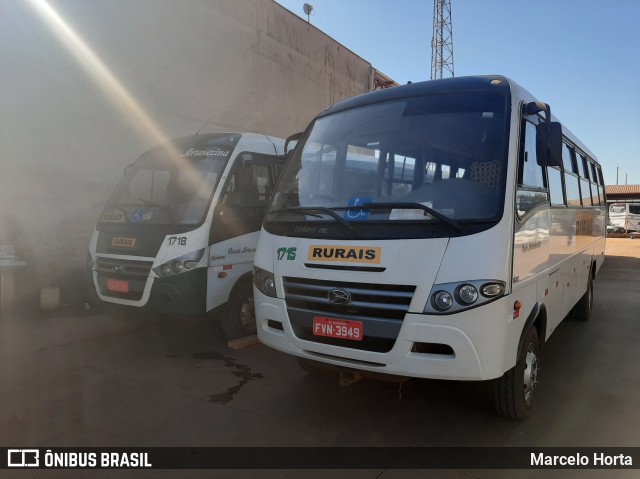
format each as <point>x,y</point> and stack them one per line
<point>580,56</point>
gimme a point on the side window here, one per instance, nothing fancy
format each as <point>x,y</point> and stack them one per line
<point>584,167</point>
<point>595,191</point>
<point>600,178</point>
<point>586,193</point>
<point>531,182</point>
<point>530,173</point>
<point>262,181</point>
<point>403,175</point>
<point>601,195</point>
<point>586,188</point>
<point>555,186</point>
<point>430,172</point>
<point>593,176</point>
<point>580,165</point>
<point>571,182</point>
<point>600,186</point>
<point>251,184</point>
<point>594,173</point>
<point>567,159</point>
<point>572,189</point>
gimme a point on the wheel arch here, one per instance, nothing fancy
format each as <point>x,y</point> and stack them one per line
<point>538,319</point>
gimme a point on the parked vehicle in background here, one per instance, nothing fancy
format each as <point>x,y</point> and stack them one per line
<point>625,216</point>
<point>438,230</point>
<point>179,233</point>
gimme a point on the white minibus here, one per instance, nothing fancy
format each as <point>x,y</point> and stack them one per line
<point>440,229</point>
<point>179,233</point>
<point>625,215</point>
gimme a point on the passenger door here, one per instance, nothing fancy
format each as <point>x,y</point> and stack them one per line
<point>237,220</point>
<point>246,196</point>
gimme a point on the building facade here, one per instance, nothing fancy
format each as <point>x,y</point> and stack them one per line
<point>93,84</point>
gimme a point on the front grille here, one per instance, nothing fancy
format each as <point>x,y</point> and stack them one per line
<point>134,272</point>
<point>123,267</point>
<point>387,301</point>
<point>379,307</point>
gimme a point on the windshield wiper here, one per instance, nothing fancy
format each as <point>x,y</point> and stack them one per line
<point>413,206</point>
<point>307,211</point>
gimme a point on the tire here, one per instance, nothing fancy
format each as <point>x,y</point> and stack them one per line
<point>239,320</point>
<point>585,305</point>
<point>514,392</point>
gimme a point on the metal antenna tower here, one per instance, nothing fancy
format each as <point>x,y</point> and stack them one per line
<point>442,40</point>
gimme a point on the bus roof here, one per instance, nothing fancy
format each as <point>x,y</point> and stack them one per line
<point>470,83</point>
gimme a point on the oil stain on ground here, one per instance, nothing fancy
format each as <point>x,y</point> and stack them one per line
<point>241,371</point>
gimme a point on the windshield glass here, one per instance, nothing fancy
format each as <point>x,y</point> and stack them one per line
<point>634,209</point>
<point>617,208</point>
<point>446,152</point>
<point>172,184</point>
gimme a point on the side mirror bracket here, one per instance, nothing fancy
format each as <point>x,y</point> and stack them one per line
<point>295,137</point>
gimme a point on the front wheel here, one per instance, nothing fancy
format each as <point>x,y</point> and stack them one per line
<point>240,318</point>
<point>514,392</point>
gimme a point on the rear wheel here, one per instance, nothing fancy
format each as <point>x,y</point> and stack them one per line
<point>585,305</point>
<point>514,392</point>
<point>240,318</point>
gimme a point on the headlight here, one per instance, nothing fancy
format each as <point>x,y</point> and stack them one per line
<point>449,298</point>
<point>264,281</point>
<point>185,262</point>
<point>442,300</point>
<point>467,294</point>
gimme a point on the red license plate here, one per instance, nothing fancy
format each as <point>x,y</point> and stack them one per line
<point>117,286</point>
<point>337,328</point>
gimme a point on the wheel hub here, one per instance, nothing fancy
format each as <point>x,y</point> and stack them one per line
<point>247,314</point>
<point>530,373</point>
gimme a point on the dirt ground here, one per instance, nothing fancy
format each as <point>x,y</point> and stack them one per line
<point>623,247</point>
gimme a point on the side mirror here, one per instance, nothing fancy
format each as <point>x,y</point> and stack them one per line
<point>548,135</point>
<point>549,144</point>
<point>295,137</point>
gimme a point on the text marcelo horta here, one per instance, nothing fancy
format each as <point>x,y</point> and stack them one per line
<point>598,459</point>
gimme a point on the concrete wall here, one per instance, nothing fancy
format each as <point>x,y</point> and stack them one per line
<point>73,113</point>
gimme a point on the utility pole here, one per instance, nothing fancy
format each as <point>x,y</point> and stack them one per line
<point>442,40</point>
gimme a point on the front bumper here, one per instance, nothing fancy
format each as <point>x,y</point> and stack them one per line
<point>184,293</point>
<point>476,353</point>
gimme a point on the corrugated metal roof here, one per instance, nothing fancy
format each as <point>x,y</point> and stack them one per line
<point>622,189</point>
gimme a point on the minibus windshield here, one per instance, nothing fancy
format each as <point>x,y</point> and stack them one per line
<point>158,189</point>
<point>447,152</point>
